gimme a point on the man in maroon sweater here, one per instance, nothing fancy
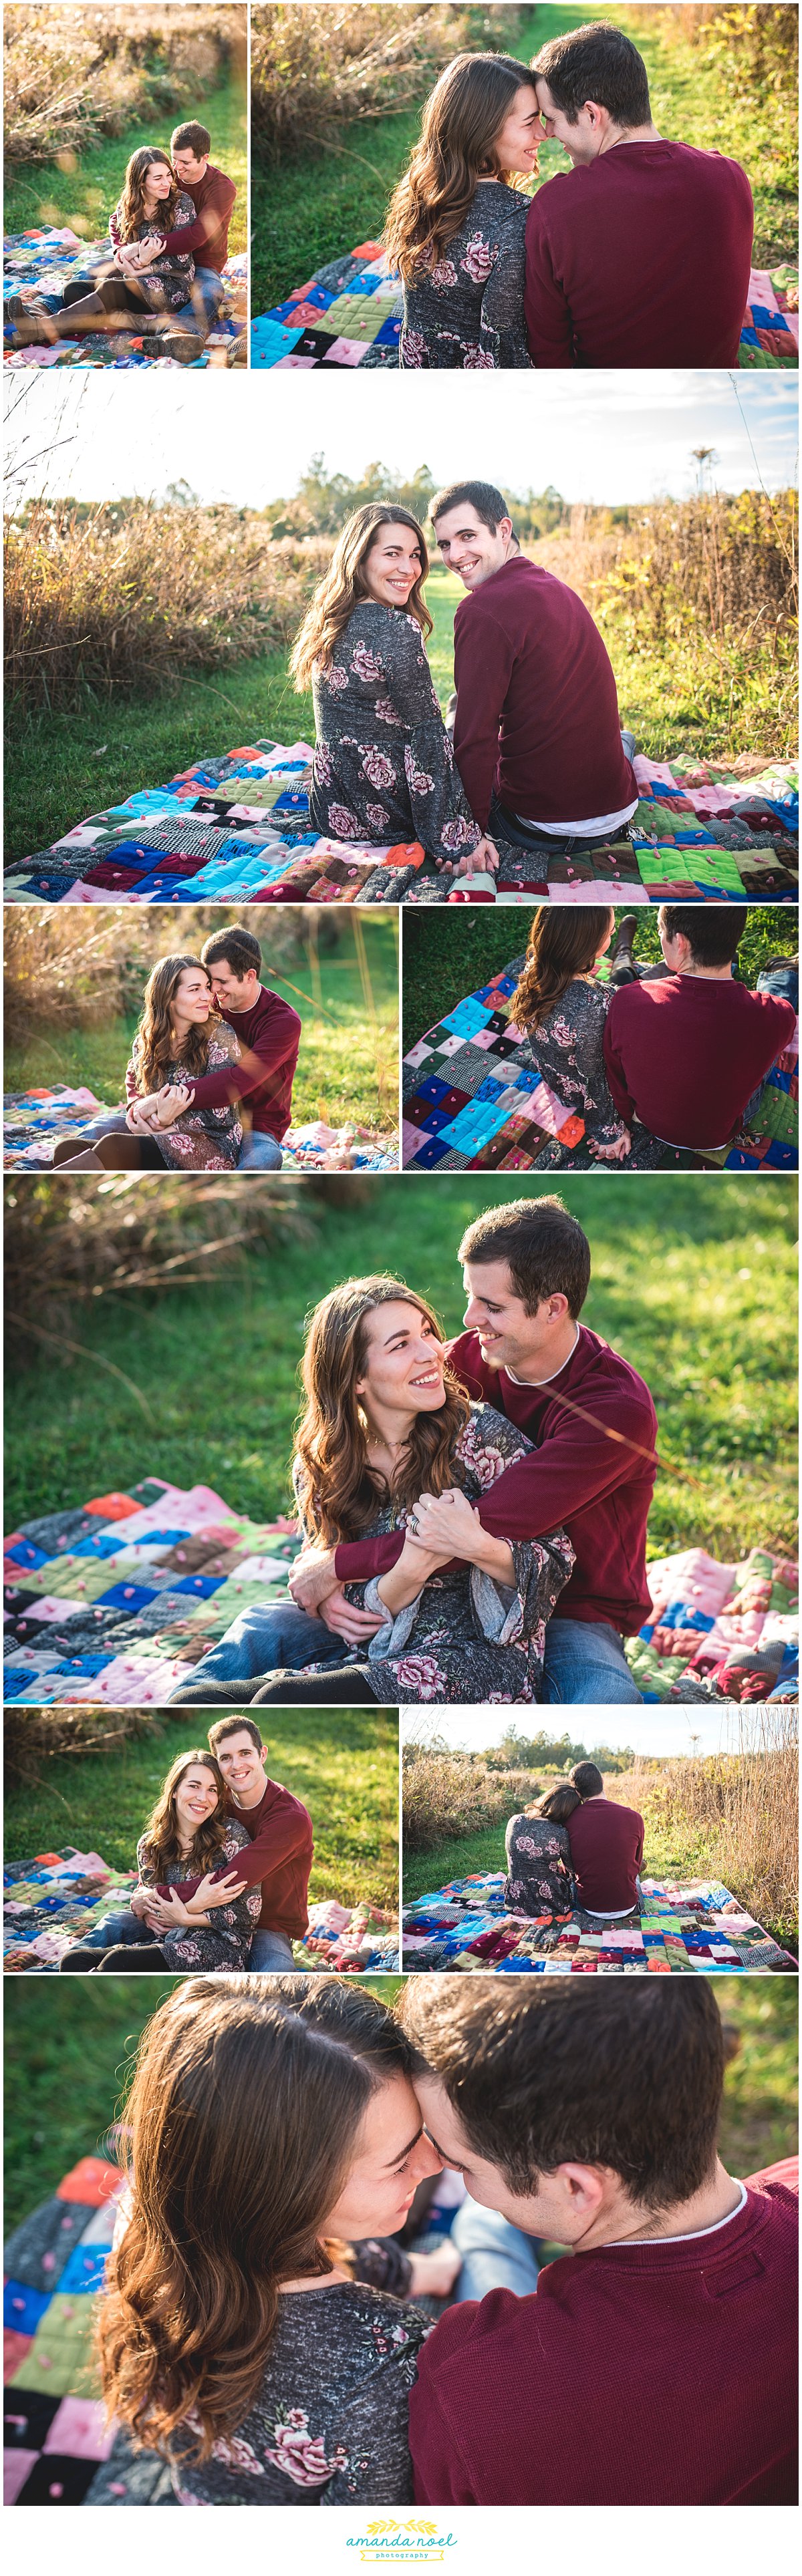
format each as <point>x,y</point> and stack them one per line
<point>686,1048</point>
<point>537,738</point>
<point>281,1850</point>
<point>606,1847</point>
<point>269,1032</point>
<point>656,2363</point>
<point>641,255</point>
<point>526,1268</point>
<point>213,197</point>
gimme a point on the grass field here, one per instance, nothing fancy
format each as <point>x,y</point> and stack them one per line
<point>438,972</point>
<point>68,2060</point>
<point>347,1065</point>
<point>345,1770</point>
<point>694,1281</point>
<point>43,194</point>
<point>317,203</point>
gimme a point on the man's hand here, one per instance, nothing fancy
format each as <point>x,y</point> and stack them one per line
<point>140,1901</point>
<point>140,1115</point>
<point>448,1523</point>
<point>312,1578</point>
<point>356,1626</point>
<point>140,254</point>
<point>434,2275</point>
<point>207,1896</point>
<point>171,1102</point>
<point>165,1914</point>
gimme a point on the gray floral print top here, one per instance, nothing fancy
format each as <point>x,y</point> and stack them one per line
<point>228,1946</point>
<point>540,1877</point>
<point>567,1051</point>
<point>384,767</point>
<point>329,2426</point>
<point>165,285</point>
<point>468,311</point>
<point>466,1638</point>
<point>201,1140</point>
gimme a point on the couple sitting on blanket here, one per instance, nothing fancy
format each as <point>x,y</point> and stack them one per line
<point>454,1496</point>
<point>640,256</point>
<point>169,246</point>
<point>679,1050</point>
<point>575,1850</point>
<point>538,755</point>
<point>256,2328</point>
<point>210,1037</point>
<point>224,1864</point>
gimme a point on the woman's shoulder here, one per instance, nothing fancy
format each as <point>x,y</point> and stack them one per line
<point>224,1045</point>
<point>367,2328</point>
<point>236,1836</point>
<point>185,211</point>
<point>488,1435</point>
<point>497,208</point>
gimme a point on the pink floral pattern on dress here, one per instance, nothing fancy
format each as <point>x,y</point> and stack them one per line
<point>478,260</point>
<point>384,768</point>
<point>301,2454</point>
<point>467,309</point>
<point>365,664</point>
<point>378,817</point>
<point>343,823</point>
<point>201,1140</point>
<point>442,275</point>
<point>378,768</point>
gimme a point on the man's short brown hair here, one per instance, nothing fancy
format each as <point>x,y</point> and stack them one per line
<point>239,948</point>
<point>191,138</point>
<point>234,1726</point>
<point>484,498</point>
<point>546,1252</point>
<point>627,2076</point>
<point>599,63</point>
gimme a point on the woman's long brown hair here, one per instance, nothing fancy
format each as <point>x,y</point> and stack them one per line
<point>155,1045</point>
<point>345,584</point>
<point>162,1842</point>
<point>339,1491</point>
<point>564,941</point>
<point>132,201</point>
<point>242,2124</point>
<point>460,126</point>
<point>558,1803</point>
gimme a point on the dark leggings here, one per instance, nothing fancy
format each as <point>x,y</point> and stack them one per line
<point>118,1152</point>
<point>343,1688</point>
<point>127,1959</point>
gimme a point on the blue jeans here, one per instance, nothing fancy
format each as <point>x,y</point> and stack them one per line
<point>270,1950</point>
<point>495,2255</point>
<point>210,288</point>
<point>259,1153</point>
<point>280,1639</point>
<point>585,1666</point>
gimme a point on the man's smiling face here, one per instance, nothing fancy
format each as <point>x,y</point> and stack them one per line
<point>469,547</point>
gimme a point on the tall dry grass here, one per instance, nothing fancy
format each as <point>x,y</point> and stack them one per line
<point>447,1795</point>
<point>743,1808</point>
<point>70,75</point>
<point>62,972</point>
<point>70,1242</point>
<point>117,599</point>
<point>34,1736</point>
<point>320,64</point>
<point>728,560</point>
<point>758,48</point>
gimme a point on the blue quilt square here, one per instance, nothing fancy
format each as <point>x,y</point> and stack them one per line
<point>23,2309</point>
<point>202,1585</point>
<point>430,1154</point>
<point>433,1089</point>
<point>85,2268</point>
<point>526,1081</point>
<point>466,1019</point>
<point>126,1596</point>
<point>389,335</point>
<point>490,1089</point>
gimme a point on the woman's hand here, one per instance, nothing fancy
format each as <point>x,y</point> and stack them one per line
<point>165,1914</point>
<point>434,2275</point>
<point>140,1901</point>
<point>171,1102</point>
<point>208,1895</point>
<point>449,1522</point>
<point>404,1580</point>
<point>612,1153</point>
<point>483,860</point>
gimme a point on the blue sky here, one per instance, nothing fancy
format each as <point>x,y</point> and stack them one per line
<point>601,438</point>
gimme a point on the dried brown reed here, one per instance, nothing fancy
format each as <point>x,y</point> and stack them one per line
<point>447,1795</point>
<point>741,1810</point>
<point>116,599</point>
<point>73,74</point>
<point>727,560</point>
<point>759,47</point>
<point>33,1736</point>
<point>61,972</point>
<point>320,64</point>
<point>69,1242</point>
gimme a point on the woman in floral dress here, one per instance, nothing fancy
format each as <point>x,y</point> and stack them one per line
<point>141,279</point>
<point>386,1421</point>
<point>179,1039</point>
<point>383,768</point>
<point>562,1012</point>
<point>190,1833</point>
<point>540,1877</point>
<point>456,228</point>
<point>271,2127</point>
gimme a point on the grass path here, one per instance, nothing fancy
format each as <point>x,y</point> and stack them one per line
<point>40,193</point>
<point>694,1281</point>
<point>316,204</point>
<point>347,1065</point>
<point>344,1769</point>
<point>437,975</point>
<point>68,2058</point>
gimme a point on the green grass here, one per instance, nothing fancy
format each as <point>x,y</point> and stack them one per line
<point>68,2062</point>
<point>438,973</point>
<point>42,194</point>
<point>347,1066</point>
<point>319,202</point>
<point>345,1770</point>
<point>694,1281</point>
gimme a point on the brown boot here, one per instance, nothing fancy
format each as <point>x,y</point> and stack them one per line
<point>88,1162</point>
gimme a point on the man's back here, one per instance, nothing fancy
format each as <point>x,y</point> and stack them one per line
<point>641,258</point>
<point>685,1052</point>
<point>606,1850</point>
<point>537,709</point>
<point>653,2373</point>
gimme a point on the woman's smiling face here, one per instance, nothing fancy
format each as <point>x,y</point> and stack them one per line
<point>518,144</point>
<point>393,565</point>
<point>192,999</point>
<point>392,2156</point>
<point>404,1361</point>
<point>158,180</point>
<point>196,1797</point>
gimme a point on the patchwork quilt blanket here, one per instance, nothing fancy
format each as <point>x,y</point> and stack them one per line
<point>469,1105</point>
<point>675,1931</point>
<point>236,827</point>
<point>34,1122</point>
<point>349,314</point>
<point>118,1599</point>
<point>53,1901</point>
<point>55,2432</point>
<point>39,265</point>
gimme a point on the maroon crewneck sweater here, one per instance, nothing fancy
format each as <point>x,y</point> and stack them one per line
<point>578,1477</point>
<point>684,1053</point>
<point>537,710</point>
<point>280,1856</point>
<point>657,2373</point>
<point>212,197</point>
<point>271,1031</point>
<point>641,259</point>
<point>606,1850</point>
